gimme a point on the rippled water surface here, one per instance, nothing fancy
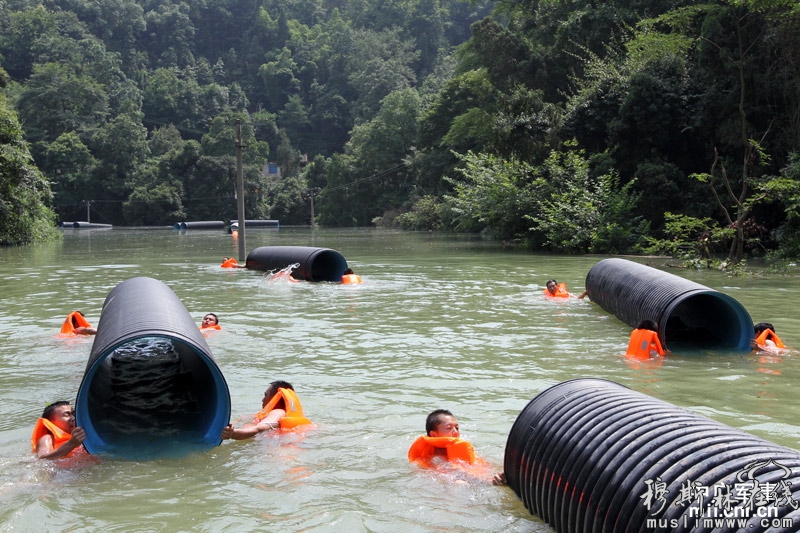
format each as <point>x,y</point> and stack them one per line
<point>439,321</point>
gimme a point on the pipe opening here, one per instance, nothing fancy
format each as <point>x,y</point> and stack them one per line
<point>152,396</point>
<point>707,320</point>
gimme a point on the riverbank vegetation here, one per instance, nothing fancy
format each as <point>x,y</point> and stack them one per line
<point>619,127</point>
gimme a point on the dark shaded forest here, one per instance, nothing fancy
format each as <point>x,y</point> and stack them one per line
<point>629,126</point>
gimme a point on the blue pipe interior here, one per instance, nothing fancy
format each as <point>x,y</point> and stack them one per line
<point>707,320</point>
<point>139,407</point>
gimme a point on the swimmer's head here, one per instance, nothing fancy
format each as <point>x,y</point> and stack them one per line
<point>441,423</point>
<point>272,390</point>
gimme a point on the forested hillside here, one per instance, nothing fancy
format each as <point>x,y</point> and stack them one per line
<point>662,125</point>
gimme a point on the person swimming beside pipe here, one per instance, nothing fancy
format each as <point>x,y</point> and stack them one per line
<point>350,278</point>
<point>280,409</point>
<point>644,342</point>
<point>55,434</point>
<point>554,289</point>
<point>442,445</point>
<point>76,324</point>
<point>766,340</point>
<point>230,262</point>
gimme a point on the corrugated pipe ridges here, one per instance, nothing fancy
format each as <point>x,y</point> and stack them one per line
<point>584,454</point>
<point>689,315</point>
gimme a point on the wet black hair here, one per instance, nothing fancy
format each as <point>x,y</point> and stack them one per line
<point>761,326</point>
<point>434,418</point>
<point>647,324</point>
<point>51,408</point>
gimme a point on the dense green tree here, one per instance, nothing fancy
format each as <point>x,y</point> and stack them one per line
<point>56,100</point>
<point>156,206</point>
<point>25,217</point>
<point>21,31</point>
<point>71,166</point>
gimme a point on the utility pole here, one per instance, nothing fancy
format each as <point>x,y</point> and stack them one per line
<point>88,212</point>
<point>240,191</point>
<point>313,191</point>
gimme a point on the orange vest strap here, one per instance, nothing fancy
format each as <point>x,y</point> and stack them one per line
<point>294,411</point>
<point>424,449</point>
<point>44,427</point>
<point>768,334</point>
<point>642,342</point>
<point>74,320</point>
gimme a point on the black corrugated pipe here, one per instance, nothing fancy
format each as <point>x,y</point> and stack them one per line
<point>234,224</point>
<point>200,224</point>
<point>315,264</point>
<point>689,315</point>
<point>89,225</point>
<point>151,387</point>
<point>590,455</point>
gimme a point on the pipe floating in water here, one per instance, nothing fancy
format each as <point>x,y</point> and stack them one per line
<point>234,224</point>
<point>689,315</point>
<point>315,264</point>
<point>151,387</point>
<point>89,225</point>
<point>591,455</point>
<point>199,224</point>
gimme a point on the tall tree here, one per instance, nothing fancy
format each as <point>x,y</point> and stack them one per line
<point>25,217</point>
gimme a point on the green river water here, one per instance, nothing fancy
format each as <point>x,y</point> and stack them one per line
<point>440,321</point>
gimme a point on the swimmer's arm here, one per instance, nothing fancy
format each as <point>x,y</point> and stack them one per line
<point>241,433</point>
<point>270,422</point>
<point>44,446</point>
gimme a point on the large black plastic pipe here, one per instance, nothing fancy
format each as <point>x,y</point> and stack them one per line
<point>199,224</point>
<point>689,315</point>
<point>89,225</point>
<point>151,387</point>
<point>314,264</point>
<point>234,224</point>
<point>584,454</point>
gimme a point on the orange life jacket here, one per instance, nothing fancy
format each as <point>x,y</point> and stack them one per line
<point>294,411</point>
<point>74,320</point>
<point>229,263</point>
<point>44,427</point>
<point>642,341</point>
<point>768,334</point>
<point>561,292</point>
<point>423,450</point>
<point>213,326</point>
<point>351,279</point>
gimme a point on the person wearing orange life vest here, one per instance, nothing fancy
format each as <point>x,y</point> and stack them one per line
<point>210,322</point>
<point>76,324</point>
<point>644,341</point>
<point>55,434</point>
<point>766,339</point>
<point>555,289</point>
<point>230,262</point>
<point>350,278</point>
<point>442,443</point>
<point>280,409</point>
